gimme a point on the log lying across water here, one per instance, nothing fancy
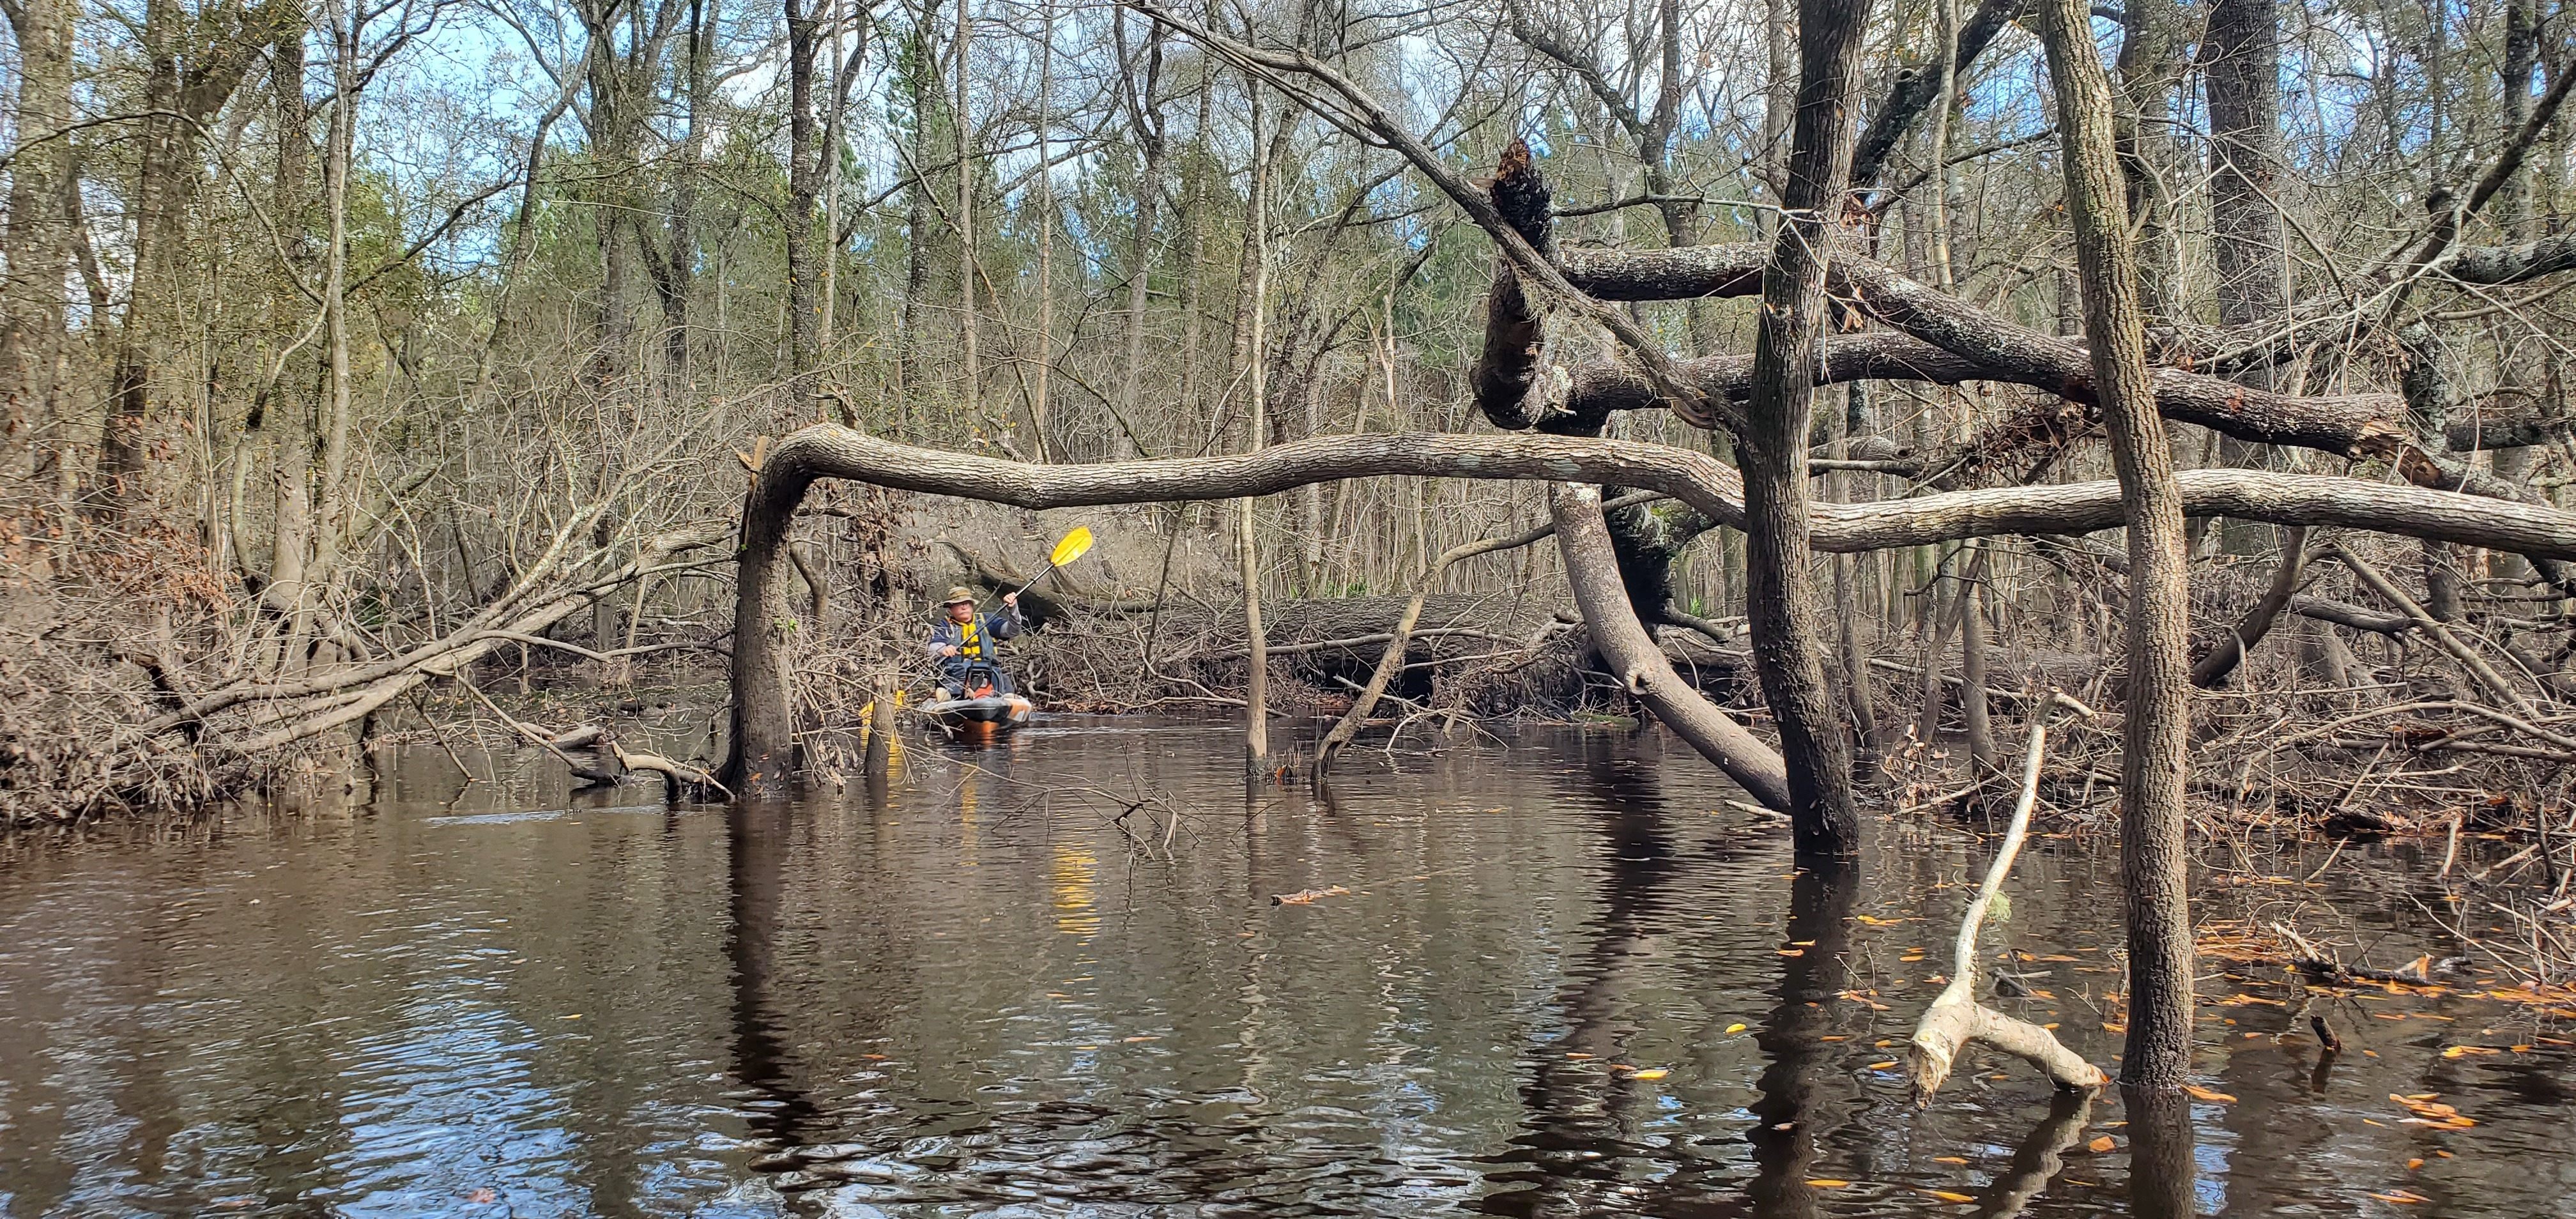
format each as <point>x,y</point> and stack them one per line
<point>763,726</point>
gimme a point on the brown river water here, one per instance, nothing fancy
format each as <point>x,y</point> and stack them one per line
<point>1567,977</point>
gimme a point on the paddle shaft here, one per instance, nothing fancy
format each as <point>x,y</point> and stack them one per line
<point>1033,580</point>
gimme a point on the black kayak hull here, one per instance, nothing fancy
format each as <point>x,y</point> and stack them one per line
<point>1001,710</point>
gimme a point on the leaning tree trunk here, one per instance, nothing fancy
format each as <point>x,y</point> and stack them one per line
<point>2154,727</point>
<point>1779,597</point>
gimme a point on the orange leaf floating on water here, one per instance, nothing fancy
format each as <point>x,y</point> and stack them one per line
<point>1735,1028</point>
<point>1793,952</point>
<point>1948,1196</point>
<point>2413,1164</point>
<point>2402,1197</point>
<point>2101,1144</point>
<point>1655,1073</point>
<point>1949,1159</point>
<point>1881,1066</point>
<point>2200,1093</point>
<point>1827,1182</point>
<point>2463,1051</point>
<point>2430,1113</point>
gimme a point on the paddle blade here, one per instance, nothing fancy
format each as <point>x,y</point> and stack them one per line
<point>1074,545</point>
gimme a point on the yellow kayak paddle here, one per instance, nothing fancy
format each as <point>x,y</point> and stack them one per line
<point>1074,546</point>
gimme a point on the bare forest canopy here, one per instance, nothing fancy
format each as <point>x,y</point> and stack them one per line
<point>358,355</point>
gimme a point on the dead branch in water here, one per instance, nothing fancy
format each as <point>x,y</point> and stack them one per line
<point>1955,1017</point>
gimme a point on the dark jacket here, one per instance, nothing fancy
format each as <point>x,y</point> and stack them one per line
<point>989,629</point>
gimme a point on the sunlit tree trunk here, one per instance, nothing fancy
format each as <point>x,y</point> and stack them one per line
<point>1251,347</point>
<point>804,186</point>
<point>1144,120</point>
<point>1038,390</point>
<point>2154,728</point>
<point>968,328</point>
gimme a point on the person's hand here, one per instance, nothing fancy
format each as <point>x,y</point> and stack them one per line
<point>948,651</point>
<point>1011,599</point>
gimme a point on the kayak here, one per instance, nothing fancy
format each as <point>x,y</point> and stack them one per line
<point>999,710</point>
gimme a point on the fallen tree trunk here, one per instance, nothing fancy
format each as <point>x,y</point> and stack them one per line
<point>1978,345</point>
<point>827,450</point>
<point>2257,622</point>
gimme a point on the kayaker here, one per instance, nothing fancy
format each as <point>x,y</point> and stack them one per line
<point>963,638</point>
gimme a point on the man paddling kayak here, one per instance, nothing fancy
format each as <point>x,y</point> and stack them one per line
<point>963,641</point>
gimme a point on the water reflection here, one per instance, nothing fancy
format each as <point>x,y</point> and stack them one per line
<point>1563,978</point>
<point>2162,1166</point>
<point>758,837</point>
<point>1803,1097</point>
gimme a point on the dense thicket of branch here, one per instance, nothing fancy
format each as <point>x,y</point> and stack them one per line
<point>1918,85</point>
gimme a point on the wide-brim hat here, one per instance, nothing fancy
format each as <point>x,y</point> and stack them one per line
<point>957,594</point>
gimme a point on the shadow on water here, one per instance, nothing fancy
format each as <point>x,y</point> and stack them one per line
<point>2163,1169</point>
<point>1576,1152</point>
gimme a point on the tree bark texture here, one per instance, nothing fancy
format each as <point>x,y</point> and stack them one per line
<point>804,187</point>
<point>2155,728</point>
<point>1780,596</point>
<point>2241,60</point>
<point>38,236</point>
